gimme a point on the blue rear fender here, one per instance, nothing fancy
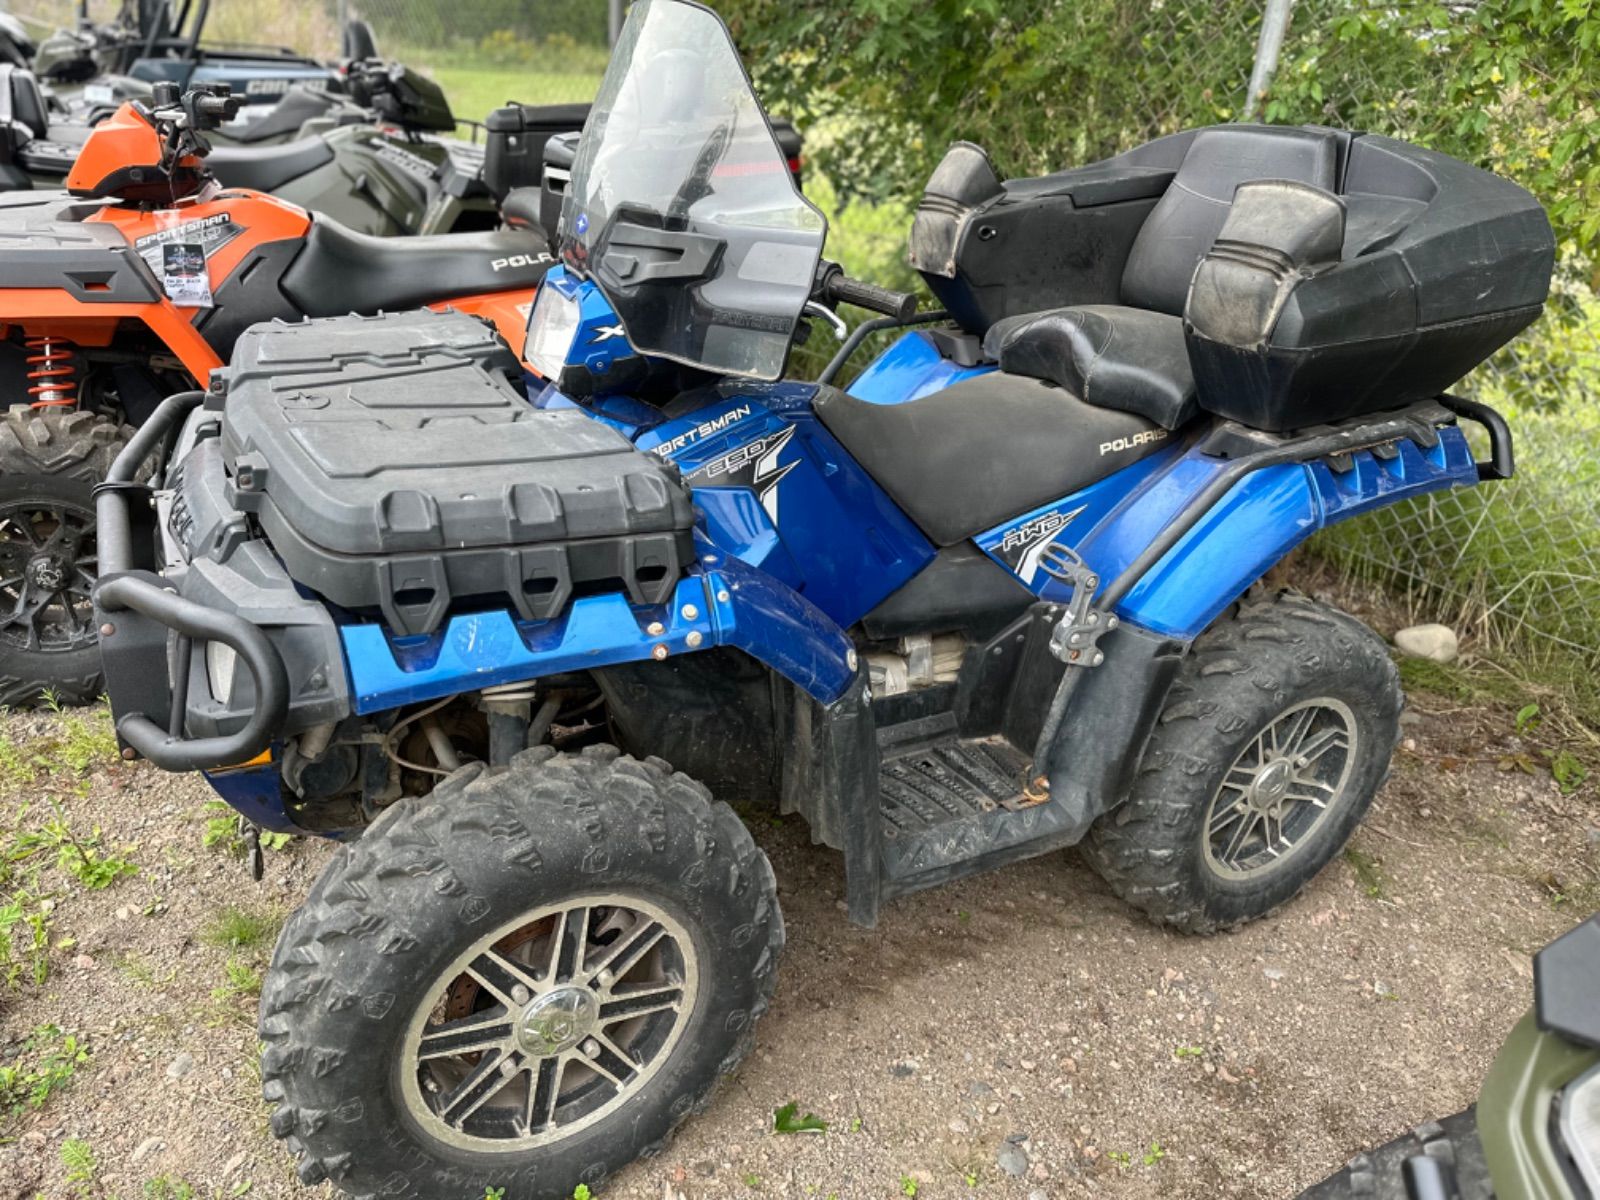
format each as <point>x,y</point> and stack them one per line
<point>1263,517</point>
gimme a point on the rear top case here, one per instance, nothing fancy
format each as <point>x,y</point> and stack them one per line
<point>395,468</point>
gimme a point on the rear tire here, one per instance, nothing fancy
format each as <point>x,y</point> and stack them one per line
<point>465,907</point>
<point>1196,844</point>
<point>50,460</point>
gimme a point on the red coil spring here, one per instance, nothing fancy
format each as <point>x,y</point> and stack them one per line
<point>52,371</point>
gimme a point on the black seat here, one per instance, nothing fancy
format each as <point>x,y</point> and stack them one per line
<point>962,460</point>
<point>341,271</point>
<point>1132,356</point>
<point>267,168</point>
<point>297,107</point>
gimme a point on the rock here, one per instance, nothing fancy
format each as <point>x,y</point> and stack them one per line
<point>1038,1194</point>
<point>146,1148</point>
<point>1012,1160</point>
<point>905,1070</point>
<point>1273,973</point>
<point>959,1125</point>
<point>180,1066</point>
<point>1436,642</point>
<point>235,1163</point>
<point>1409,719</point>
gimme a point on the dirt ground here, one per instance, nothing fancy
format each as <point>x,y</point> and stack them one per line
<point>1019,1035</point>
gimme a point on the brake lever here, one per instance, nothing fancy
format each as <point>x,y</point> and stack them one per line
<point>840,329</point>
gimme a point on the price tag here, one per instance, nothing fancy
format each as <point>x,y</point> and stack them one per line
<point>184,275</point>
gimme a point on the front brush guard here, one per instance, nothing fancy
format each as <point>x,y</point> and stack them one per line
<point>148,631</point>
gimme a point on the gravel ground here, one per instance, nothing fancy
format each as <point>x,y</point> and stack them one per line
<point>1018,1035</point>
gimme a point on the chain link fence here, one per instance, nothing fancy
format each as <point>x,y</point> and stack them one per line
<point>1517,561</point>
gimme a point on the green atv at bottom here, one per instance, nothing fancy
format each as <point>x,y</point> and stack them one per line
<point>1534,1133</point>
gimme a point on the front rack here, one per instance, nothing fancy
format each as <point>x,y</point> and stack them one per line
<point>142,619</point>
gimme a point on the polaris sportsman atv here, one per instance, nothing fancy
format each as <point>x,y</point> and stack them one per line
<point>1534,1133</point>
<point>373,161</point>
<point>990,603</point>
<point>138,284</point>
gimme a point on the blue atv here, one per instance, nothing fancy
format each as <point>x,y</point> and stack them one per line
<point>515,631</point>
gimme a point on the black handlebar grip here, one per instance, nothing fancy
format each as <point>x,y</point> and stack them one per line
<point>843,290</point>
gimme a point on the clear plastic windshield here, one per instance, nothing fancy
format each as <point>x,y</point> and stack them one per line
<point>681,206</point>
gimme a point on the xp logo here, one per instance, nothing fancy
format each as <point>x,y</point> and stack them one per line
<point>581,225</point>
<point>606,333</point>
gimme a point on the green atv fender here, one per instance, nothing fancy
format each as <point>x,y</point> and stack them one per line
<point>1514,1110</point>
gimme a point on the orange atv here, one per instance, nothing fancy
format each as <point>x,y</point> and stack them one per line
<point>136,285</point>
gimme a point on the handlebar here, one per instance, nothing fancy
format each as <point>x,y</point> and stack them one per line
<point>833,286</point>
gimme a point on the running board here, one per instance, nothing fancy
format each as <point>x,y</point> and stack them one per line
<point>953,807</point>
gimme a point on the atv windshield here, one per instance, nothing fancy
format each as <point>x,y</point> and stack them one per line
<point>681,206</point>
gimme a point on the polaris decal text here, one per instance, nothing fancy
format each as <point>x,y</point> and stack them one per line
<point>1134,441</point>
<point>520,260</point>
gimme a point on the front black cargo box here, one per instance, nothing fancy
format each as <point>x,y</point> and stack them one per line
<point>394,467</point>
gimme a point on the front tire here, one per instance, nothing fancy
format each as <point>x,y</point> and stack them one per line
<point>1276,736</point>
<point>50,460</point>
<point>523,981</point>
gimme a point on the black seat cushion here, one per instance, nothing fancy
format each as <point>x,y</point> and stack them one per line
<point>1183,225</point>
<point>298,106</point>
<point>1128,359</point>
<point>964,459</point>
<point>341,271</point>
<point>266,168</point>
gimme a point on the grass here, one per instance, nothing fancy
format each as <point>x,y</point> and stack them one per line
<point>235,928</point>
<point>476,91</point>
<point>1368,872</point>
<point>44,1065</point>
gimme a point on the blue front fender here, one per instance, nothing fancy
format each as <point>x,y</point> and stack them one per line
<point>725,603</point>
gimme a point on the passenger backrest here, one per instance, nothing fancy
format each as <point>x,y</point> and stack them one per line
<point>1182,227</point>
<point>23,102</point>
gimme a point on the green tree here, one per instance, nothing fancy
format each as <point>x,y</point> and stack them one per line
<point>886,85</point>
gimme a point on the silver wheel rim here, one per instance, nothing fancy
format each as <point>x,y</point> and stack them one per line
<point>549,1023</point>
<point>1284,784</point>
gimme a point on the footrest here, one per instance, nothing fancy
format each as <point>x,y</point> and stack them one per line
<point>923,788</point>
<point>954,806</point>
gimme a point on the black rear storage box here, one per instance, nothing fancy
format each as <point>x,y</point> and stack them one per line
<point>1299,316</point>
<point>395,469</point>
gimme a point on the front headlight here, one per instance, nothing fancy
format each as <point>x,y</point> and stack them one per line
<point>1580,1126</point>
<point>220,662</point>
<point>552,326</point>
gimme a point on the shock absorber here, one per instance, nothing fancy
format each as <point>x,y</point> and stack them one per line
<point>52,372</point>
